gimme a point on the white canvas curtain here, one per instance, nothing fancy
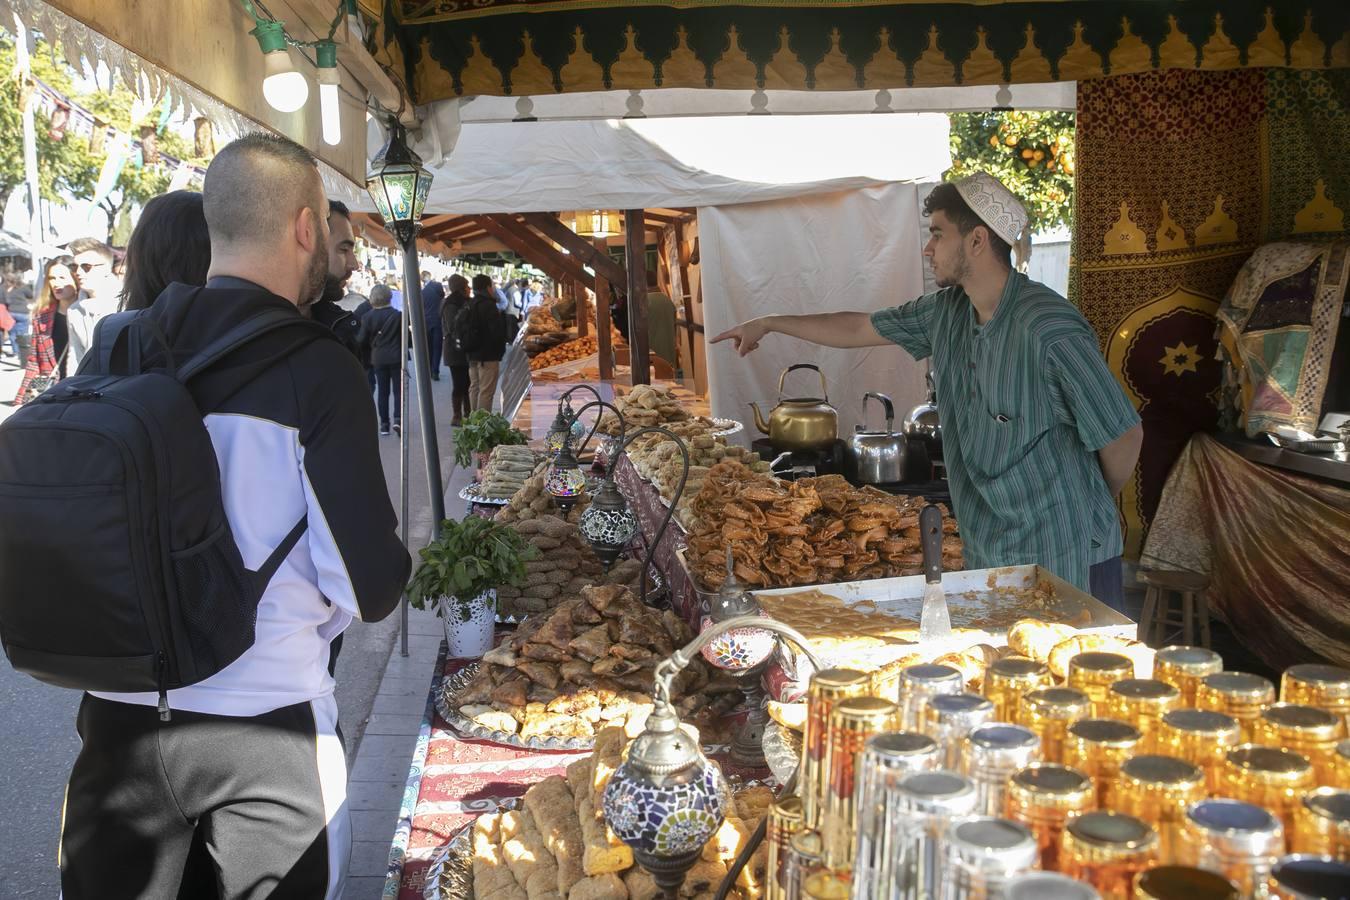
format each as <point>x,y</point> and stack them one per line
<point>850,250</point>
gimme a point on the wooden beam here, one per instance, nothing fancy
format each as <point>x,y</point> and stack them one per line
<point>603,338</point>
<point>657,217</point>
<point>583,323</point>
<point>593,255</point>
<point>635,247</point>
<point>452,228</point>
<point>529,246</point>
<point>509,239</point>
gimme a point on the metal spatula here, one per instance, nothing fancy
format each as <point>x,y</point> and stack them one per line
<point>935,622</point>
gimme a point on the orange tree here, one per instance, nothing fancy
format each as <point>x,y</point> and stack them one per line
<point>1030,152</point>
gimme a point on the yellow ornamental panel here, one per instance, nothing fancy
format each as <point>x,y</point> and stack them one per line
<point>1320,214</point>
<point>582,72</point>
<point>884,69</point>
<point>1218,228</point>
<point>683,68</point>
<point>933,68</point>
<point>1125,236</point>
<point>434,78</point>
<point>480,76</point>
<point>1220,52</point>
<point>530,75</point>
<point>734,70</point>
<point>784,71</point>
<point>1177,51</point>
<point>1268,48</point>
<point>1308,51</point>
<point>1170,235</point>
<point>632,71</point>
<point>1030,65</point>
<point>1130,54</point>
<point>1079,61</point>
<point>835,72</point>
<point>982,66</point>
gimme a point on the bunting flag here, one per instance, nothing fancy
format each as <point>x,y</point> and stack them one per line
<point>119,153</point>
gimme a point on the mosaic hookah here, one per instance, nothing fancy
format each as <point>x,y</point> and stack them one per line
<point>565,480</point>
<point>666,800</point>
<point>567,423</point>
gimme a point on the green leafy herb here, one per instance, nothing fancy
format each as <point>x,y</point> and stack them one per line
<point>481,431</point>
<point>470,556</point>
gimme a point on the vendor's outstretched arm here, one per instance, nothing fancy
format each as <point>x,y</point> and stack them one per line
<point>835,329</point>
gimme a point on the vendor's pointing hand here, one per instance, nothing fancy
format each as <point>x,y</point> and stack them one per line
<point>747,335</point>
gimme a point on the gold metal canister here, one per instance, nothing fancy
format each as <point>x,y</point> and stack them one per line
<point>1094,672</point>
<point>1043,797</point>
<point>1159,790</point>
<point>805,850</point>
<point>1239,840</point>
<point>1304,877</point>
<point>990,755</point>
<point>1269,777</point>
<point>827,687</point>
<point>1325,687</point>
<point>1199,736</point>
<point>1340,765</point>
<point>1007,680</point>
<point>1183,883</point>
<point>1097,748</point>
<point>1183,668</point>
<point>1049,712</point>
<point>852,721</point>
<point>825,886</point>
<point>1322,823</point>
<point>784,820</point>
<point>1142,702</point>
<point>948,718</point>
<point>1237,694</point>
<point>1107,850</point>
<point>1307,730</point>
<point>918,684</point>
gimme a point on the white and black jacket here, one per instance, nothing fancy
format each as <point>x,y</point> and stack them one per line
<point>299,439</point>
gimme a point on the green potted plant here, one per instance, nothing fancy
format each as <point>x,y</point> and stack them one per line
<point>480,432</point>
<point>459,574</point>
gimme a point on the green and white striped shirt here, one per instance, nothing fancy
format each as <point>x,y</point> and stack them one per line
<point>1026,402</point>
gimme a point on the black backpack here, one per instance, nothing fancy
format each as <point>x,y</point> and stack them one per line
<point>469,337</point>
<point>120,571</point>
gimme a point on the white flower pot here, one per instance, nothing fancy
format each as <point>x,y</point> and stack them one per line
<point>469,639</point>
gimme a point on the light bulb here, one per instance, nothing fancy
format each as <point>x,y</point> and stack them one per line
<point>285,89</point>
<point>328,106</point>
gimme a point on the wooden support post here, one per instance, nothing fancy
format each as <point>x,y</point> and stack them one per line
<point>635,248</point>
<point>534,248</point>
<point>582,323</point>
<point>686,295</point>
<point>602,329</point>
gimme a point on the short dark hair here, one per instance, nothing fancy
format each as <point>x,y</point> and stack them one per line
<point>247,183</point>
<point>91,245</point>
<point>337,206</point>
<point>170,243</point>
<point>948,199</point>
<point>482,284</point>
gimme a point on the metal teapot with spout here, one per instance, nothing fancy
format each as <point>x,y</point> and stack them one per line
<point>877,457</point>
<point>922,421</point>
<point>800,423</point>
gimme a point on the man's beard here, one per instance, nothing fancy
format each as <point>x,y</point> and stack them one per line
<point>959,273</point>
<point>333,289</point>
<point>314,276</point>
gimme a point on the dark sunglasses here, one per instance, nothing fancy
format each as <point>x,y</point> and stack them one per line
<point>86,267</point>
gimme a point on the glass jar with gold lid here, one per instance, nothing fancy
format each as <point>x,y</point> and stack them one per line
<point>1142,702</point>
<point>852,721</point>
<point>1267,776</point>
<point>1043,797</point>
<point>1007,680</point>
<point>1312,684</point>
<point>1049,712</point>
<point>1183,667</point>
<point>1237,694</point>
<point>1239,840</point>
<point>1306,730</point>
<point>784,820</point>
<point>1304,877</point>
<point>827,687</point>
<point>1159,790</point>
<point>1183,883</point>
<point>1199,736</point>
<point>948,718</point>
<point>990,755</point>
<point>918,684</point>
<point>1094,672</point>
<point>1107,850</point>
<point>1097,748</point>
<point>1322,823</point>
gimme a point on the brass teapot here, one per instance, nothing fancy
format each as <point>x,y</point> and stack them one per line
<point>801,423</point>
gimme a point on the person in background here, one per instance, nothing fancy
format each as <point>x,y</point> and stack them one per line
<point>18,298</point>
<point>169,244</point>
<point>100,293</point>
<point>382,336</point>
<point>433,295</point>
<point>325,309</point>
<point>58,287</point>
<point>660,322</point>
<point>455,358</point>
<point>484,343</point>
<point>533,295</point>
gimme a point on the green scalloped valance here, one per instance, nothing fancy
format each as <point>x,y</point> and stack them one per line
<point>516,47</point>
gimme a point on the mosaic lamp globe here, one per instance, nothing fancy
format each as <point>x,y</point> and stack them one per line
<point>739,649</point>
<point>608,524</point>
<point>558,430</point>
<point>565,480</point>
<point>666,800</point>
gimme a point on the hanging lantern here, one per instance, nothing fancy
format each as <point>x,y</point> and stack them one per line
<point>397,182</point>
<point>565,481</point>
<point>608,525</point>
<point>597,223</point>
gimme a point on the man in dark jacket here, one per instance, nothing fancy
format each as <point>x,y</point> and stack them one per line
<point>433,294</point>
<point>483,337</point>
<point>382,339</point>
<point>455,358</point>
<point>346,327</point>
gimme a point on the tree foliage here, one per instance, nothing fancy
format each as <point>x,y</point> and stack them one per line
<point>1030,152</point>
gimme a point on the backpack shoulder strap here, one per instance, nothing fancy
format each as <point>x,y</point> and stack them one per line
<point>283,550</point>
<point>251,328</point>
<point>111,329</point>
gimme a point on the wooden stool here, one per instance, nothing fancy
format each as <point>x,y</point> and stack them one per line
<point>1162,611</point>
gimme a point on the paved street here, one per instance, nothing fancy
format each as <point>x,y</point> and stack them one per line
<point>37,734</point>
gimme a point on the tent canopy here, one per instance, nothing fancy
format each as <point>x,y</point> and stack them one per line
<point>523,47</point>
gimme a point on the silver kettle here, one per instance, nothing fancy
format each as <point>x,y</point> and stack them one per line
<point>922,421</point>
<point>877,457</point>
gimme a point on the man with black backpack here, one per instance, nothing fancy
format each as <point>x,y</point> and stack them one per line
<point>481,332</point>
<point>211,512</point>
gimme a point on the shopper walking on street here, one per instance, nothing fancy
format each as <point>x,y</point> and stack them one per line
<point>169,244</point>
<point>482,333</point>
<point>251,757</point>
<point>100,294</point>
<point>18,299</point>
<point>455,303</point>
<point>433,295</point>
<point>382,338</point>
<point>58,288</point>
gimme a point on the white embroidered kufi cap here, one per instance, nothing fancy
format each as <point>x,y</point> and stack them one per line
<point>1000,209</point>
